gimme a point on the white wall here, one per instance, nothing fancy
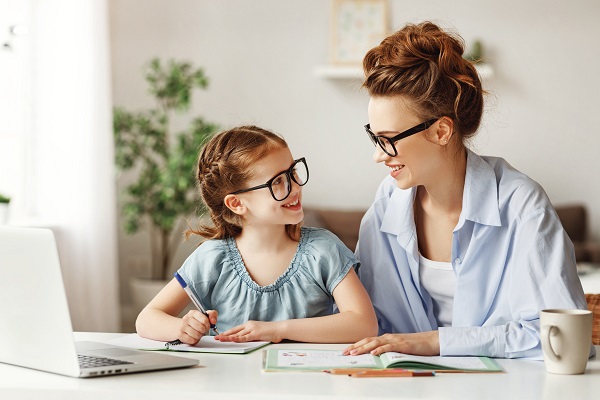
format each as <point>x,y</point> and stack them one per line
<point>541,114</point>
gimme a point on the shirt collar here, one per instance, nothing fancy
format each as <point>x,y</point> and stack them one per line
<point>480,202</point>
<point>480,195</point>
<point>399,216</point>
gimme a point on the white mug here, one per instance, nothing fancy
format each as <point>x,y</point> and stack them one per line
<point>566,340</point>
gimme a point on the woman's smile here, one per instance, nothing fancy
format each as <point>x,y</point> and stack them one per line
<point>395,169</point>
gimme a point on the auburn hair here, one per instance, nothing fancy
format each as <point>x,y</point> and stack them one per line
<point>224,166</point>
<point>425,64</point>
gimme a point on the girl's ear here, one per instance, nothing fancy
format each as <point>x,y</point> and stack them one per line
<point>234,203</point>
<point>445,130</point>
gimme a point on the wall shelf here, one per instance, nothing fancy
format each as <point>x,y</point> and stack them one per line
<point>351,72</point>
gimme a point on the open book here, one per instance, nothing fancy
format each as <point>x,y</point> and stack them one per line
<point>320,360</point>
<point>207,344</point>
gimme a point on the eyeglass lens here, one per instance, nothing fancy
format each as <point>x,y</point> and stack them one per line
<point>386,145</point>
<point>281,185</point>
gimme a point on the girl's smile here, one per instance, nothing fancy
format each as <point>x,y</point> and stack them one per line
<point>294,205</point>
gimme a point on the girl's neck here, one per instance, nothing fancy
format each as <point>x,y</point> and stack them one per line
<point>264,238</point>
<point>267,252</point>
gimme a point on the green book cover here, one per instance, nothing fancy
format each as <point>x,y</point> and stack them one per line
<point>319,360</point>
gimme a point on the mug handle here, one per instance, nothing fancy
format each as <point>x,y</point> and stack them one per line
<point>547,331</point>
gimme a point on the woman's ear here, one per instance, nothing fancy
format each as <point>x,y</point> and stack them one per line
<point>234,203</point>
<point>445,131</point>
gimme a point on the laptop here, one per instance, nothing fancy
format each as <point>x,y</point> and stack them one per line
<point>36,330</point>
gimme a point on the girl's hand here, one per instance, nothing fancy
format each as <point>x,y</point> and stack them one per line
<point>194,325</point>
<point>422,344</point>
<point>252,331</point>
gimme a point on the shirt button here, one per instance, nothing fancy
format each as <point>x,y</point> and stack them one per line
<point>457,260</point>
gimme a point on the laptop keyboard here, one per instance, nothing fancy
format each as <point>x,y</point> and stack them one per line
<point>93,362</point>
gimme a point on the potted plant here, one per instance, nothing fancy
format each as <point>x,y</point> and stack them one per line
<point>4,201</point>
<point>161,163</point>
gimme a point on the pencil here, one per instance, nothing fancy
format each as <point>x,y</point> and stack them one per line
<point>391,373</point>
<point>365,372</point>
<point>345,371</point>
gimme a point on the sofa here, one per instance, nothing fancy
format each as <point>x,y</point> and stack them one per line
<point>346,223</point>
<point>574,219</point>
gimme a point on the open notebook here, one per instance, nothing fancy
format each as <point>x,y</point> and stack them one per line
<point>32,285</point>
<point>207,344</point>
<point>320,360</point>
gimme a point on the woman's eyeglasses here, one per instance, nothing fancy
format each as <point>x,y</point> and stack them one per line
<point>387,144</point>
<point>281,184</point>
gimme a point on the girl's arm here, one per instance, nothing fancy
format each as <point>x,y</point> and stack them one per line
<point>159,321</point>
<point>355,321</point>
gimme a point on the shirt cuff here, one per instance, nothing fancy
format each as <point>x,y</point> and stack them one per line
<point>477,341</point>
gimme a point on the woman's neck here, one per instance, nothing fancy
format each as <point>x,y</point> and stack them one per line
<point>445,191</point>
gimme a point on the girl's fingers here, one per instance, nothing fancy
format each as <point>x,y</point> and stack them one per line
<point>212,316</point>
<point>230,334</point>
<point>232,331</point>
<point>243,337</point>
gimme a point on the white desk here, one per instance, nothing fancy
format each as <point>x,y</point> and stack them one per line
<point>221,377</point>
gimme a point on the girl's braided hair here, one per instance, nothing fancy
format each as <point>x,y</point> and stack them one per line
<point>224,166</point>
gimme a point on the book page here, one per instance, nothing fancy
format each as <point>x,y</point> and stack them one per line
<point>322,359</point>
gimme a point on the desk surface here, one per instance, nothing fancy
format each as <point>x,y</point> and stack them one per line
<point>222,376</point>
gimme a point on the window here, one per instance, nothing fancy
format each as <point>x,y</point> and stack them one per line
<point>16,106</point>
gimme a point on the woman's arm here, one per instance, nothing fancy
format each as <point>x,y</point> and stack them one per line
<point>159,321</point>
<point>355,321</point>
<point>422,344</point>
<point>539,272</point>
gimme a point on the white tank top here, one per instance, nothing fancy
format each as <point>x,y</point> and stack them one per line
<point>440,282</point>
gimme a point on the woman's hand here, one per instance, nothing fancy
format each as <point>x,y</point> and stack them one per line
<point>422,344</point>
<point>194,325</point>
<point>252,331</point>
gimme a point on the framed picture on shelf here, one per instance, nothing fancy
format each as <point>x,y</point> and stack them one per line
<point>356,27</point>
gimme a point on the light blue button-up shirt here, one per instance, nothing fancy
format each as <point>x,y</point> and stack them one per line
<point>510,255</point>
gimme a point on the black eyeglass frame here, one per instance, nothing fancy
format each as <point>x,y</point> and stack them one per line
<point>288,174</point>
<point>378,140</point>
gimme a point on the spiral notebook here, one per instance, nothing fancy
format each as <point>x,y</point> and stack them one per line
<point>207,344</point>
<point>32,280</point>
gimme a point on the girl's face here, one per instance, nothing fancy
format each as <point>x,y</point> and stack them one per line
<point>416,161</point>
<point>262,207</point>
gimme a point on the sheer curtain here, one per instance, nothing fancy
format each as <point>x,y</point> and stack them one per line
<point>72,164</point>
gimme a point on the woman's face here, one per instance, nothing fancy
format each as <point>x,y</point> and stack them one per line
<point>416,160</point>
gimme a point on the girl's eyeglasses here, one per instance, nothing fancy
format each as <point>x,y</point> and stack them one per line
<point>281,184</point>
<point>387,144</point>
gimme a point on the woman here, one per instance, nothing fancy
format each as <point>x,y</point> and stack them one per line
<point>459,252</point>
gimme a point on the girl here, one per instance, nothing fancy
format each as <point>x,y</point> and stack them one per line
<point>459,252</point>
<point>264,276</point>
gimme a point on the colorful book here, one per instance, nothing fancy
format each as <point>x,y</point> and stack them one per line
<point>207,344</point>
<point>321,360</point>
